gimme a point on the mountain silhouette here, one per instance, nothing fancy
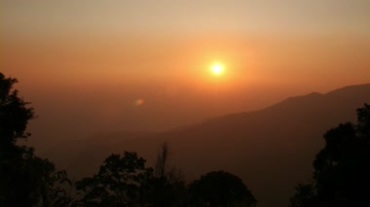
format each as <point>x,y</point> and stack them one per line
<point>271,149</point>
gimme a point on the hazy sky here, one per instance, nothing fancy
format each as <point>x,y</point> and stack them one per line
<point>97,66</point>
<point>160,37</point>
<point>144,64</point>
<point>189,17</point>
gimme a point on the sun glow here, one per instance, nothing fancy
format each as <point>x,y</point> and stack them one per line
<point>217,69</point>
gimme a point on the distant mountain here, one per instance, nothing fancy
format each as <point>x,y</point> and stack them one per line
<point>271,149</point>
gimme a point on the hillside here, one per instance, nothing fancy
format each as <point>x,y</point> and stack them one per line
<point>270,149</point>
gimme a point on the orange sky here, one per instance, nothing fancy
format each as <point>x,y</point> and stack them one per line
<point>105,55</point>
<point>287,41</point>
<point>314,63</point>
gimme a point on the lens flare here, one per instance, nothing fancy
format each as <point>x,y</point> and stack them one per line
<point>139,102</point>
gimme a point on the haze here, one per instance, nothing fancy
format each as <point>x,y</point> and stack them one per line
<point>93,66</point>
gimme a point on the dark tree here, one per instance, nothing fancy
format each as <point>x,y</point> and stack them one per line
<point>25,179</point>
<point>220,189</point>
<point>121,181</point>
<point>305,196</point>
<point>168,184</point>
<point>14,117</point>
<point>342,167</point>
<point>161,164</point>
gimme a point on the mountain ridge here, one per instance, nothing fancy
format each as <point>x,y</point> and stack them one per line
<point>271,149</point>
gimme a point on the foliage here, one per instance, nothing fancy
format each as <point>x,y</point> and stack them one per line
<point>121,181</point>
<point>342,167</point>
<point>26,180</point>
<point>305,196</point>
<point>125,181</point>
<point>14,117</point>
<point>219,188</point>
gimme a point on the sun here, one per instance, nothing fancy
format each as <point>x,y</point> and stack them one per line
<point>217,69</point>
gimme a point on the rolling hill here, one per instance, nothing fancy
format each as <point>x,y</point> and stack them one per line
<point>270,149</point>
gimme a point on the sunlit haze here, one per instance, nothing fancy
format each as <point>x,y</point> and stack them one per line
<point>90,67</point>
<point>107,55</point>
<point>104,56</point>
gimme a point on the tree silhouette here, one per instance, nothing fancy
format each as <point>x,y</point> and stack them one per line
<point>26,180</point>
<point>220,189</point>
<point>14,117</point>
<point>342,167</point>
<point>121,181</point>
<point>168,184</point>
<point>305,196</point>
<point>161,164</point>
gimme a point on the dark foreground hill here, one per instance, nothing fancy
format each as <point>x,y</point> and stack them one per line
<point>271,149</point>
